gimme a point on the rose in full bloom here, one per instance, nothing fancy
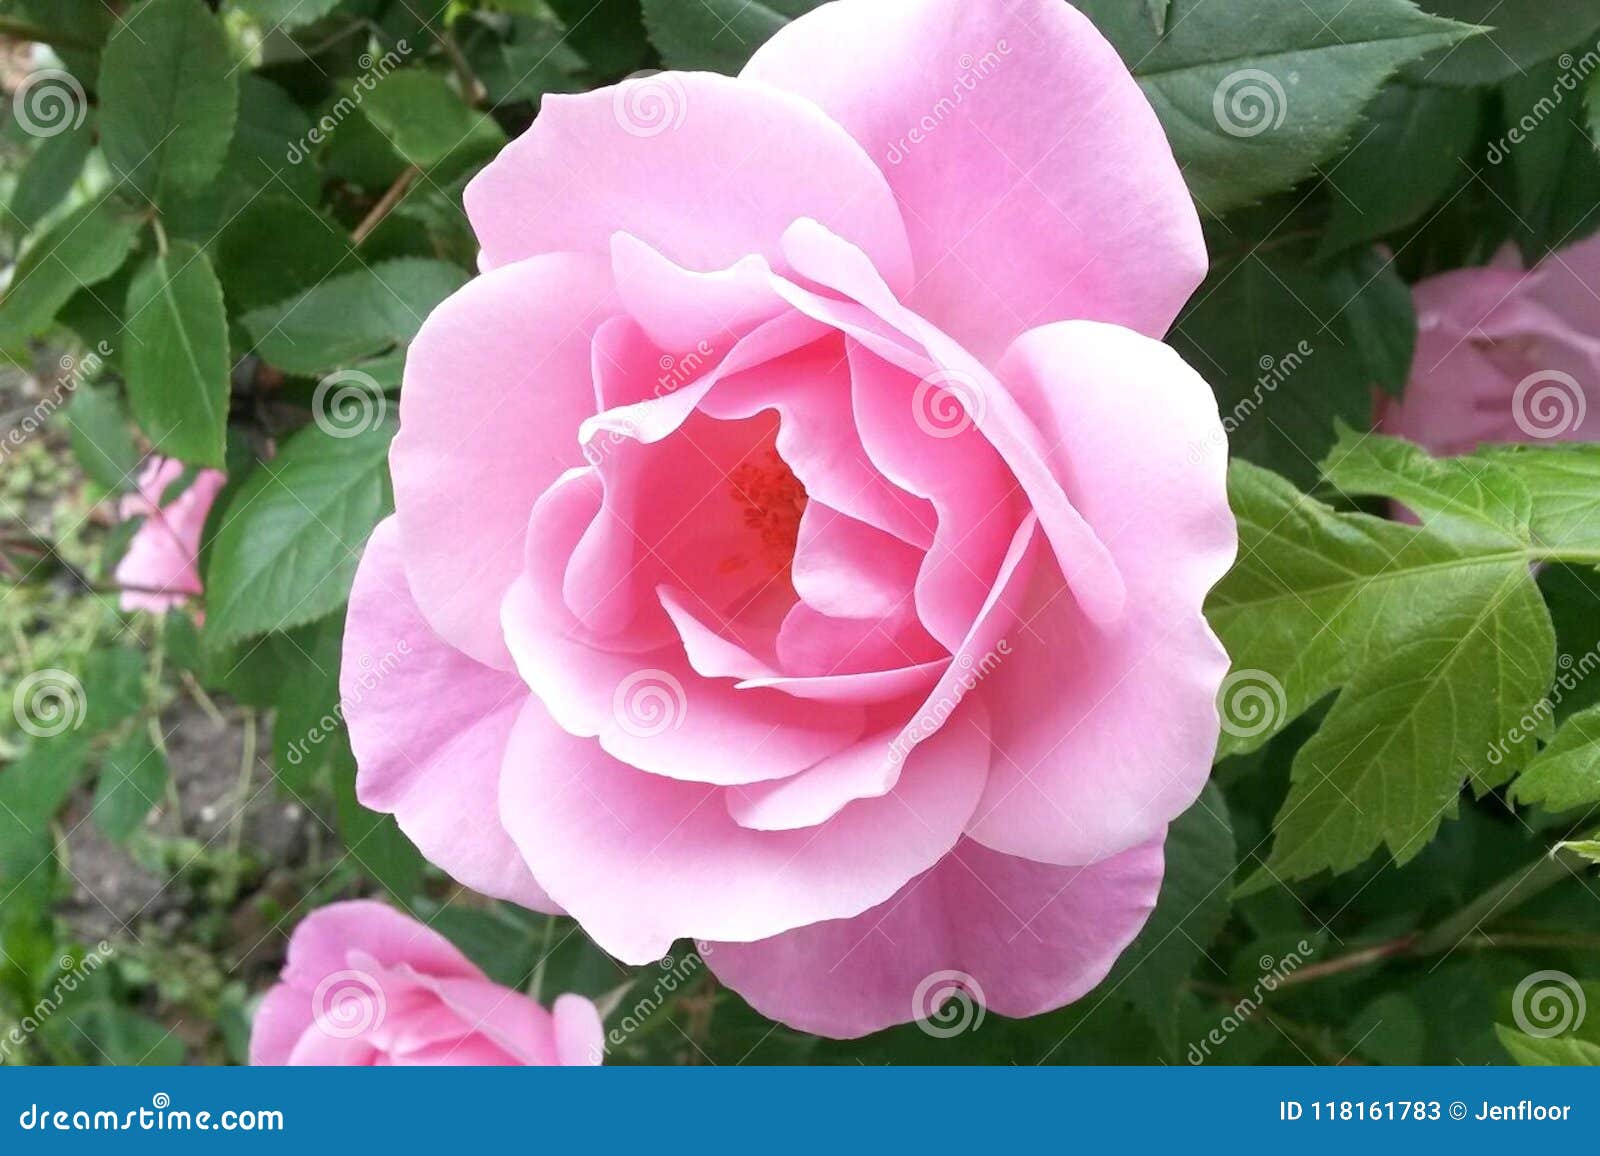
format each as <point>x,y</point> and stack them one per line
<point>1505,354</point>
<point>364,984</point>
<point>796,547</point>
<point>160,569</point>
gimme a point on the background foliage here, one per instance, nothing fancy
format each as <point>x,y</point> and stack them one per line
<point>230,208</point>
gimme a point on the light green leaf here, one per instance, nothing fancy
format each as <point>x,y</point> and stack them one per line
<point>716,35</point>
<point>177,356</point>
<point>1253,96</point>
<point>133,780</point>
<point>168,96</point>
<point>1566,773</point>
<point>426,120</point>
<point>82,249</point>
<point>1189,912</point>
<point>352,316</point>
<point>1564,480</point>
<point>1587,848</point>
<point>291,537</point>
<point>33,787</point>
<point>285,14</point>
<point>1550,1051</point>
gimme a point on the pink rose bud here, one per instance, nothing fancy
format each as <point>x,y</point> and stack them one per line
<point>160,569</point>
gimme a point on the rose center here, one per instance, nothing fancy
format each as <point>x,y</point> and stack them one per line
<point>771,499</point>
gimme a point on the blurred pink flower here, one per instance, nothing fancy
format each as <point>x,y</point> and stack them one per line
<point>798,545</point>
<point>160,569</point>
<point>364,984</point>
<point>1505,354</point>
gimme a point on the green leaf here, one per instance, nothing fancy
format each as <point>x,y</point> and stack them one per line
<point>1189,913</point>
<point>610,35</point>
<point>168,95</point>
<point>1587,848</point>
<point>101,438</point>
<point>113,686</point>
<point>1537,1051</point>
<point>1291,348</point>
<point>82,249</point>
<point>1253,96</point>
<point>49,175</point>
<point>308,726</point>
<point>374,841</point>
<point>352,316</point>
<point>292,536</point>
<point>33,787</point>
<point>1429,132</point>
<point>426,120</point>
<point>285,14</point>
<point>1552,157</point>
<point>133,780</point>
<point>1566,773</point>
<point>716,35</point>
<point>1521,33</point>
<point>275,247</point>
<point>177,355</point>
<point>1565,482</point>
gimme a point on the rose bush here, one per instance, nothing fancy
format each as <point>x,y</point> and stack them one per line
<point>160,569</point>
<point>364,984</point>
<point>1505,354</point>
<point>796,547</point>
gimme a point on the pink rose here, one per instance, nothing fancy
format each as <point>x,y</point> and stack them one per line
<point>796,545</point>
<point>1505,354</point>
<point>159,571</point>
<point>364,984</point>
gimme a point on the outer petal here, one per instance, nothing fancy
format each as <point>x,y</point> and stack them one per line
<point>1022,937</point>
<point>641,860</point>
<point>429,728</point>
<point>281,1019</point>
<point>580,1037</point>
<point>1106,732</point>
<point>984,114</point>
<point>717,179</point>
<point>322,943</point>
<point>496,384</point>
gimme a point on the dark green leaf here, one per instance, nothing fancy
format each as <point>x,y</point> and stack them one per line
<point>49,175</point>
<point>426,120</point>
<point>82,249</point>
<point>716,35</point>
<point>102,440</point>
<point>1521,34</point>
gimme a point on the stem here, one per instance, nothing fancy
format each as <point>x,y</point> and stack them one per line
<point>1505,896</point>
<point>379,211</point>
<point>1401,946</point>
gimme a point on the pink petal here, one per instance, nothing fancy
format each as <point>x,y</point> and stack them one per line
<point>1066,200</point>
<point>641,860</point>
<point>715,181</point>
<point>429,728</point>
<point>1020,937</point>
<point>580,1038</point>
<point>496,384</point>
<point>1107,731</point>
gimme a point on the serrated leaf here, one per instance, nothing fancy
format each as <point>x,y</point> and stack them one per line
<point>1519,34</point>
<point>1565,482</point>
<point>1537,1051</point>
<point>1189,912</point>
<point>352,316</point>
<point>1428,131</point>
<point>276,247</point>
<point>82,249</point>
<point>1253,96</point>
<point>426,120</point>
<point>1587,848</point>
<point>1566,773</point>
<point>177,355</point>
<point>291,537</point>
<point>1288,346</point>
<point>716,35</point>
<point>133,779</point>
<point>168,93</point>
